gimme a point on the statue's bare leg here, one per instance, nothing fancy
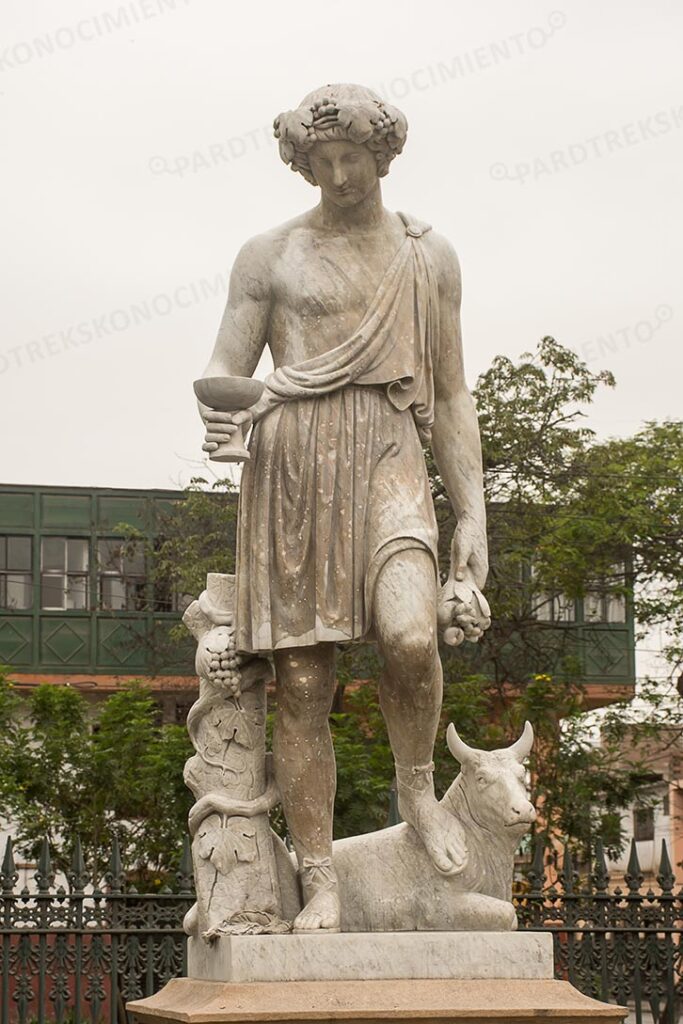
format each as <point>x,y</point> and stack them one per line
<point>411,689</point>
<point>306,774</point>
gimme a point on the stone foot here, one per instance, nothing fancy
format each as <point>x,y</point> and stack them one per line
<point>322,910</point>
<point>442,834</point>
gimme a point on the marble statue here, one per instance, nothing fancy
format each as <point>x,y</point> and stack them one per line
<point>246,880</point>
<point>337,538</point>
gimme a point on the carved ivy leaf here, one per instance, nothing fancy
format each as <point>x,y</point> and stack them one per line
<point>236,726</point>
<point>225,847</point>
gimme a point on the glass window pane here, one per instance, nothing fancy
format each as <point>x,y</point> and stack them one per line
<point>112,593</point>
<point>19,591</point>
<point>77,592</point>
<point>163,599</point>
<point>77,555</point>
<point>134,561</point>
<point>543,607</point>
<point>19,554</point>
<point>3,552</point>
<point>52,591</point>
<point>616,608</point>
<point>109,555</point>
<point>53,553</point>
<point>592,607</point>
<point>135,595</point>
<point>643,824</point>
<point>564,608</point>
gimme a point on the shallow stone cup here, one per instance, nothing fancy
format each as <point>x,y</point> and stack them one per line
<point>229,394</point>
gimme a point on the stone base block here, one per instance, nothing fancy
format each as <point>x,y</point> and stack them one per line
<point>191,1001</point>
<point>372,956</point>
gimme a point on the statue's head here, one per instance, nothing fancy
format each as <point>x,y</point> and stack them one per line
<point>343,138</point>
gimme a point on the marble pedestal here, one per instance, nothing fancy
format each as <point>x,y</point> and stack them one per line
<point>372,956</point>
<point>357,978</point>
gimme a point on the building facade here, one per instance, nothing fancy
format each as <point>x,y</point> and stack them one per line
<point>77,604</point>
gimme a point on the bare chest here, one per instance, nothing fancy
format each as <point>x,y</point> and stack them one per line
<point>330,278</point>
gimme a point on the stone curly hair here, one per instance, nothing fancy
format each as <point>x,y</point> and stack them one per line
<point>349,112</point>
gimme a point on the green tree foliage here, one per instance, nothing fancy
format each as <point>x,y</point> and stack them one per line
<point>196,536</point>
<point>68,770</point>
<point>531,419</point>
<point>625,501</point>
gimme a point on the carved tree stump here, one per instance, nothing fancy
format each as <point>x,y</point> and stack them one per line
<point>233,851</point>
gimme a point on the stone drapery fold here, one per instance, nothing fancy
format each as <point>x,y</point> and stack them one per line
<point>394,345</point>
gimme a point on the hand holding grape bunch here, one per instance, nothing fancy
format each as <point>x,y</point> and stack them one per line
<point>463,612</point>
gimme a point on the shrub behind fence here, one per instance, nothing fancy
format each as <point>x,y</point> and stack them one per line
<point>79,954</point>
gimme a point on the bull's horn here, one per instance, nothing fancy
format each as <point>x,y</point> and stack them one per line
<point>522,747</point>
<point>460,751</point>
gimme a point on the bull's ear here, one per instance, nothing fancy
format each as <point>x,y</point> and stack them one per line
<point>460,751</point>
<point>522,747</point>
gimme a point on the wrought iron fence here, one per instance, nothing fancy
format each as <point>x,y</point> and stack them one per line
<point>77,954</point>
<point>620,945</point>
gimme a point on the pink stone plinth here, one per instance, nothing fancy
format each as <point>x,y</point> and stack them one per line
<point>359,1002</point>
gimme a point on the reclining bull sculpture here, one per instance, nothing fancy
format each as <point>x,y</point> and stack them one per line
<point>389,882</point>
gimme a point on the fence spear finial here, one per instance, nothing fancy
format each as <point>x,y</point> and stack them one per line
<point>78,876</point>
<point>8,875</point>
<point>44,876</point>
<point>665,875</point>
<point>600,874</point>
<point>633,875</point>
<point>536,873</point>
<point>566,875</point>
<point>115,876</point>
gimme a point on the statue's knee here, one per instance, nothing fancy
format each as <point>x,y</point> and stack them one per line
<point>412,653</point>
<point>301,700</point>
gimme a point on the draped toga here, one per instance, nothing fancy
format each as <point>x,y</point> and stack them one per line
<point>337,481</point>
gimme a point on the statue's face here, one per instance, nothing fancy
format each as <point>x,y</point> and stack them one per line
<point>345,171</point>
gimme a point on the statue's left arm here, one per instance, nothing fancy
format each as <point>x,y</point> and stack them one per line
<point>455,435</point>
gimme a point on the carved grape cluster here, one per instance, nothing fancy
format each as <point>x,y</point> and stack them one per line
<point>224,669</point>
<point>463,613</point>
<point>350,112</point>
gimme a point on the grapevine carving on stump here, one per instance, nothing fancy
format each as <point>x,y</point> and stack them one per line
<point>233,849</point>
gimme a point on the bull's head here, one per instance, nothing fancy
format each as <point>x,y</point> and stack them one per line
<point>493,783</point>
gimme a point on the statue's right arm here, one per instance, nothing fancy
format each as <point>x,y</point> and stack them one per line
<point>243,332</point>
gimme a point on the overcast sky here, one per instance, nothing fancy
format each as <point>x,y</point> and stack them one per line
<point>544,140</point>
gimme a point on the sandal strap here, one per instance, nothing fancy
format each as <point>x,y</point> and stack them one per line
<point>407,774</point>
<point>319,873</point>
